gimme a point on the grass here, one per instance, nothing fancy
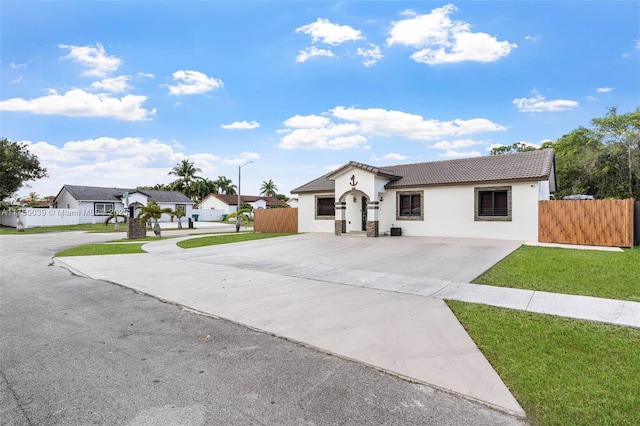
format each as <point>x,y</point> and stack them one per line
<point>607,274</point>
<point>87,227</point>
<point>99,249</point>
<point>562,371</point>
<point>135,240</point>
<point>226,239</point>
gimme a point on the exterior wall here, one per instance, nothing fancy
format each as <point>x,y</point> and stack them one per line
<point>86,210</point>
<point>293,202</point>
<point>259,204</point>
<point>137,197</point>
<point>66,201</point>
<point>449,211</point>
<point>307,212</point>
<point>214,203</point>
<point>207,214</point>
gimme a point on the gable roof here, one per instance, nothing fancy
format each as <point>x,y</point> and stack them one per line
<point>97,193</point>
<point>532,165</point>
<point>232,200</point>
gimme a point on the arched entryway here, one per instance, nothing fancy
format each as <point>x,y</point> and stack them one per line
<point>354,209</point>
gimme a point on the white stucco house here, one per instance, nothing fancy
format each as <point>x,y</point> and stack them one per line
<point>293,202</point>
<point>483,197</point>
<point>229,203</point>
<point>92,203</point>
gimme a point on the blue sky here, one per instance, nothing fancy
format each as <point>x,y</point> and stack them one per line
<point>116,93</point>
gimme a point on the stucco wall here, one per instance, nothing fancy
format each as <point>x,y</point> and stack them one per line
<point>449,212</point>
<point>306,215</point>
<point>214,203</point>
<point>66,201</point>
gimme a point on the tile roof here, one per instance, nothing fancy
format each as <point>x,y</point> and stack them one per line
<point>232,200</point>
<point>532,165</point>
<point>97,193</point>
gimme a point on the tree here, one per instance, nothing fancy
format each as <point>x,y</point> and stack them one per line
<point>186,172</point>
<point>509,149</point>
<point>32,200</point>
<point>153,211</point>
<point>268,188</point>
<point>225,186</point>
<point>114,215</point>
<point>17,166</point>
<point>201,188</point>
<point>179,213</point>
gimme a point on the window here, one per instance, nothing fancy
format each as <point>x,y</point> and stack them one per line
<point>325,207</point>
<point>181,206</point>
<point>409,206</point>
<point>493,204</point>
<point>102,208</point>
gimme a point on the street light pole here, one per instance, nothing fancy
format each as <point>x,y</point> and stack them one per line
<point>239,192</point>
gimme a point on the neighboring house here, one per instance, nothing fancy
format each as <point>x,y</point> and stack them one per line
<point>293,202</point>
<point>229,203</point>
<point>484,197</point>
<point>91,202</point>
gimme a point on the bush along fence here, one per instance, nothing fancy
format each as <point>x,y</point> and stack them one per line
<point>587,222</point>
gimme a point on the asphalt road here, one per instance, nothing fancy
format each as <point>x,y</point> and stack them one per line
<point>76,351</point>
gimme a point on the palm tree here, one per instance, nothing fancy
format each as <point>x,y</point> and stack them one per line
<point>114,215</point>
<point>269,189</point>
<point>179,213</point>
<point>153,211</point>
<point>201,188</point>
<point>32,201</point>
<point>225,185</point>
<point>186,172</point>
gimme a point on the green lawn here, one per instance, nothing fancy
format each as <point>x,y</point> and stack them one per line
<point>586,272</point>
<point>562,371</point>
<point>97,249</point>
<point>88,227</point>
<point>143,239</point>
<point>225,239</point>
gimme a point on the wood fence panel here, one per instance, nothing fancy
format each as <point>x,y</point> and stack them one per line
<point>586,222</point>
<point>276,220</point>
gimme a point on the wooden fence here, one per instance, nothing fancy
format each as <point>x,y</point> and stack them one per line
<point>276,220</point>
<point>587,222</point>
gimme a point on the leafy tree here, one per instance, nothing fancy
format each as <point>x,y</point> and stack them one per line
<point>241,216</point>
<point>31,200</point>
<point>201,188</point>
<point>282,197</point>
<point>153,211</point>
<point>268,188</point>
<point>509,149</point>
<point>114,215</point>
<point>157,186</point>
<point>17,166</point>
<point>186,172</point>
<point>225,186</point>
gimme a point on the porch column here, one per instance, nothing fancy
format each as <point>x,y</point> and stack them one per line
<point>373,209</point>
<point>340,218</point>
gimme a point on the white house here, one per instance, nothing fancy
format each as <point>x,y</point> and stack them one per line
<point>293,202</point>
<point>484,197</point>
<point>92,202</point>
<point>229,203</point>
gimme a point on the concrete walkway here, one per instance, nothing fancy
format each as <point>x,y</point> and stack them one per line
<point>397,323</point>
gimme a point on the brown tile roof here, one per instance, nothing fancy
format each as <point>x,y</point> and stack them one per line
<point>384,172</point>
<point>232,200</point>
<point>532,165</point>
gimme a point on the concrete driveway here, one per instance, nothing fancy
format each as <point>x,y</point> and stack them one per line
<point>333,293</point>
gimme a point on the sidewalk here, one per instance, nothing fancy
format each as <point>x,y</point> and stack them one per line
<point>396,323</point>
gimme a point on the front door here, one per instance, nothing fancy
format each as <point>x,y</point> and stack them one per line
<point>364,213</point>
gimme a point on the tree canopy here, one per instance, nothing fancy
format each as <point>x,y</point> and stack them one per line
<point>602,160</point>
<point>186,172</point>
<point>269,188</point>
<point>17,166</point>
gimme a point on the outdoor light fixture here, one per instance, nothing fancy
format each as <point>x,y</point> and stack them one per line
<point>354,199</point>
<point>239,192</point>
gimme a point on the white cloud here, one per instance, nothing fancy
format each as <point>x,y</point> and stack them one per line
<point>240,125</point>
<point>532,38</point>
<point>371,55</point>
<point>329,33</point>
<point>17,66</point>
<point>456,144</point>
<point>105,161</point>
<point>451,153</point>
<point>112,85</point>
<point>604,89</point>
<point>392,156</point>
<point>318,132</point>
<point>97,61</point>
<point>591,98</point>
<point>17,80</point>
<point>442,40</point>
<point>176,105</point>
<point>312,52</point>
<point>78,103</point>
<point>146,75</point>
<point>638,44</point>
<point>383,122</point>
<point>306,121</point>
<point>193,83</point>
<point>540,104</point>
<point>242,158</point>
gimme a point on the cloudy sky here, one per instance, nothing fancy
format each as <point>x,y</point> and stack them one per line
<point>116,93</point>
